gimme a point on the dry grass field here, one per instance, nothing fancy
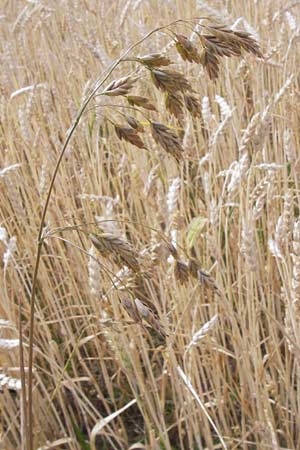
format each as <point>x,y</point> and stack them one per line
<point>164,312</point>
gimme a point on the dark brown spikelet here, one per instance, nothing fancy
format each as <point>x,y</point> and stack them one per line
<point>236,41</point>
<point>121,251</point>
<point>186,49</point>
<point>130,135</point>
<point>143,102</point>
<point>120,87</point>
<point>170,81</point>
<point>210,63</point>
<point>148,315</point>
<point>192,105</point>
<point>174,105</point>
<point>181,272</point>
<point>204,278</point>
<point>221,42</point>
<point>154,60</point>
<point>167,139</point>
<point>135,124</point>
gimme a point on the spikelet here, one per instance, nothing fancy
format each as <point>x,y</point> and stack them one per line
<point>135,124</point>
<point>174,105</point>
<point>143,102</point>
<point>154,60</point>
<point>203,277</point>
<point>170,81</point>
<point>181,271</point>
<point>186,49</point>
<point>120,250</point>
<point>193,105</point>
<point>169,141</point>
<point>120,87</point>
<point>248,248</point>
<point>129,134</point>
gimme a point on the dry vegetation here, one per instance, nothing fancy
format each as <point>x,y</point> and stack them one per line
<point>167,296</point>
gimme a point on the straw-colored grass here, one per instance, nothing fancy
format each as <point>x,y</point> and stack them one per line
<point>166,301</point>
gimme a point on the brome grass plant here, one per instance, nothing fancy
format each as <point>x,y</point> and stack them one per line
<point>149,225</point>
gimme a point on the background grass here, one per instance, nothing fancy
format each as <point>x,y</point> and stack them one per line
<point>233,203</point>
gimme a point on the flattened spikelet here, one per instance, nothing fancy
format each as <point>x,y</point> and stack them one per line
<point>130,135</point>
<point>181,272</point>
<point>167,139</point>
<point>170,81</point>
<point>135,124</point>
<point>193,105</point>
<point>120,250</point>
<point>143,102</point>
<point>186,49</point>
<point>224,42</point>
<point>174,105</point>
<point>154,60</point>
<point>120,87</point>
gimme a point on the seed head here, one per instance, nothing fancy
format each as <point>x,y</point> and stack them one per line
<point>154,60</point>
<point>120,250</point>
<point>143,102</point>
<point>167,139</point>
<point>130,135</point>
<point>135,124</point>
<point>186,49</point>
<point>120,87</point>
<point>170,81</point>
<point>174,105</point>
<point>192,105</point>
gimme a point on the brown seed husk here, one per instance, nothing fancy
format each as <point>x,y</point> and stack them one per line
<point>167,139</point>
<point>192,105</point>
<point>174,105</point>
<point>181,272</point>
<point>120,87</point>
<point>150,318</point>
<point>204,278</point>
<point>186,49</point>
<point>135,124</point>
<point>154,60</point>
<point>143,102</point>
<point>121,251</point>
<point>130,135</point>
<point>170,81</point>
